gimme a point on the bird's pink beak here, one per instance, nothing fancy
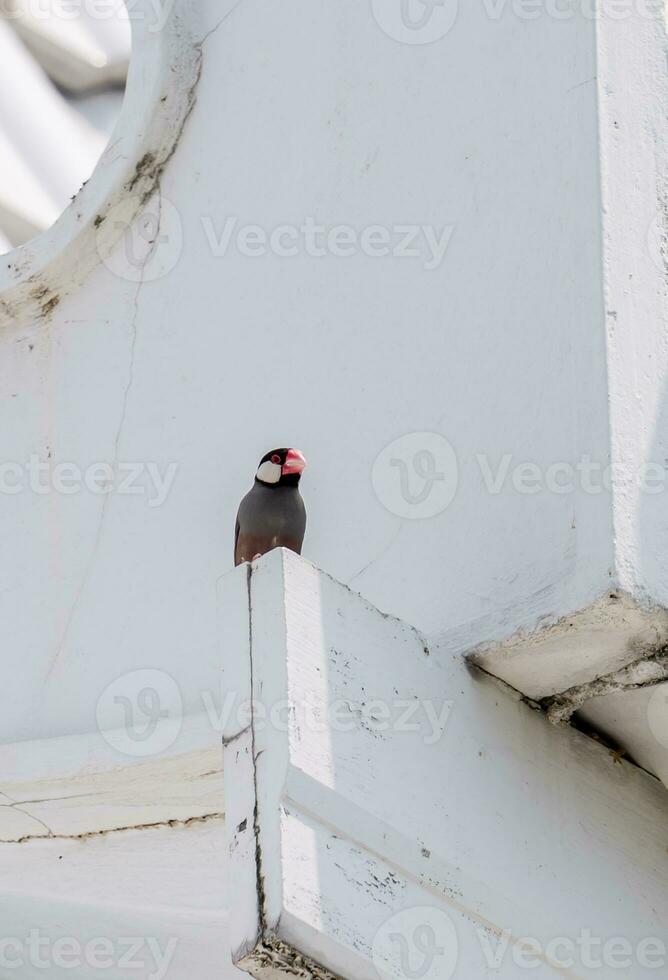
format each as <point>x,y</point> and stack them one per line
<point>294,462</point>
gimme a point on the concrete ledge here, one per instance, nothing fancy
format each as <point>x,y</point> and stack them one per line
<point>611,634</point>
<point>611,648</point>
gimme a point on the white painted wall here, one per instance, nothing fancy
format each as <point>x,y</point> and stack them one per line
<point>155,895</point>
<point>312,110</point>
<point>271,116</point>
<point>632,59</point>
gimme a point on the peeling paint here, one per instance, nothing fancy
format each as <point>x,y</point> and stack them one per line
<point>272,955</point>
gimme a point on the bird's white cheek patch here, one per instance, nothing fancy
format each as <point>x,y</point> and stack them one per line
<point>269,472</point>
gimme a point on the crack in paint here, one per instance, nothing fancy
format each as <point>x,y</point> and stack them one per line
<point>48,799</point>
<point>116,445</point>
<point>259,876</point>
<point>18,806</point>
<point>87,835</point>
<point>381,554</point>
<point>147,167</point>
<point>155,176</point>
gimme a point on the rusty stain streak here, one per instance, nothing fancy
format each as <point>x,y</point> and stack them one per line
<point>50,305</point>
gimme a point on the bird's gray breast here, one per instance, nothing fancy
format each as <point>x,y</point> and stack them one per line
<point>272,512</point>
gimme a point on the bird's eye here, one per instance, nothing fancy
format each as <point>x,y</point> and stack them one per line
<point>275,458</point>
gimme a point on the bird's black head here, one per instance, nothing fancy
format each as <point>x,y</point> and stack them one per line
<point>281,467</point>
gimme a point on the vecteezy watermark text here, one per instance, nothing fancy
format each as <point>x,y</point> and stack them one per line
<point>45,476</point>
<point>418,22</point>
<point>584,950</point>
<point>428,718</point>
<point>141,714</point>
<point>417,475</point>
<point>422,942</point>
<point>317,240</point>
<point>103,953</point>
<point>155,12</point>
<point>565,10</point>
<point>148,240</point>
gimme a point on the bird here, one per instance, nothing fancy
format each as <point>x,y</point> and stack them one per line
<point>272,514</point>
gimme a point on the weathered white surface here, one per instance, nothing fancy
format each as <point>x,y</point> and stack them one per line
<point>199,357</point>
<point>163,76</point>
<point>98,846</point>
<point>495,819</point>
<point>636,721</point>
<point>144,747</point>
<point>73,786</point>
<point>101,845</point>
<point>161,888</point>
<point>491,130</point>
<point>633,89</point>
<point>595,642</point>
<point>602,665</point>
<point>583,656</point>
